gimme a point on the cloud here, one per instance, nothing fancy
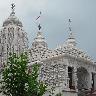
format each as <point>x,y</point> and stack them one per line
<point>31,5</point>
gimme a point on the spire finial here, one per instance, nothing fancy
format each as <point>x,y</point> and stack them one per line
<point>70,29</point>
<point>71,39</point>
<point>39,21</point>
<point>39,27</point>
<point>13,8</point>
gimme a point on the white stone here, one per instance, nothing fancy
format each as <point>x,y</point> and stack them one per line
<point>55,64</point>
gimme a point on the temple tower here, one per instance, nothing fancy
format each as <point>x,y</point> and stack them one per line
<point>12,37</point>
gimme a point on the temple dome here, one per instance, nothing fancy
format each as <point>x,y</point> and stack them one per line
<point>69,48</point>
<point>12,19</point>
<point>71,40</point>
<point>39,41</point>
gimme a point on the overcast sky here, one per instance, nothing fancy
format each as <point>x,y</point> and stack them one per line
<point>55,15</point>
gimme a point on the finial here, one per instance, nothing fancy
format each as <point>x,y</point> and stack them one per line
<point>71,39</point>
<point>13,8</point>
<point>70,29</point>
<point>39,27</point>
<point>38,18</point>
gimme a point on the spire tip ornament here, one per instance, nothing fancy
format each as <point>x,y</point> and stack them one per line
<point>71,39</point>
<point>70,29</point>
<point>39,20</point>
<point>13,8</point>
<point>39,27</point>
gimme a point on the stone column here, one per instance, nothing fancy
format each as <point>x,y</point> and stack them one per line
<point>67,78</point>
<point>89,80</point>
<point>75,78</point>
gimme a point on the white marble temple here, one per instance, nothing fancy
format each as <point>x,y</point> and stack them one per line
<point>66,69</point>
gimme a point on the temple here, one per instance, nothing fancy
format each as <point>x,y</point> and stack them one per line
<point>66,69</point>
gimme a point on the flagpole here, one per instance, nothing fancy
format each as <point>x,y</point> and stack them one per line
<point>39,21</point>
<point>70,29</point>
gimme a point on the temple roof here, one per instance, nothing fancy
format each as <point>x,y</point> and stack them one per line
<point>72,51</point>
<point>69,48</point>
<point>71,40</point>
<point>39,49</point>
<point>39,41</point>
<point>40,53</point>
<point>12,19</point>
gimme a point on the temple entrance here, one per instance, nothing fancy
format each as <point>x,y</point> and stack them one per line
<point>94,81</point>
<point>83,81</point>
<point>71,79</point>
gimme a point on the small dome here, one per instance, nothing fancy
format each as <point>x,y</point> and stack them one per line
<point>39,41</point>
<point>71,40</point>
<point>12,20</point>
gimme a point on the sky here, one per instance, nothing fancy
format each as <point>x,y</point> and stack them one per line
<point>54,20</point>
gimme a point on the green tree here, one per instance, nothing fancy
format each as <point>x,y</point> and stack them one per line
<point>35,87</point>
<point>14,77</point>
<point>16,81</point>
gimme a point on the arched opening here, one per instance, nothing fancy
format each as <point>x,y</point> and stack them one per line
<point>83,81</point>
<point>93,81</point>
<point>71,78</point>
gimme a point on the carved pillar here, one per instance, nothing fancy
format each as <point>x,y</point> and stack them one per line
<point>67,78</point>
<point>89,80</point>
<point>75,78</point>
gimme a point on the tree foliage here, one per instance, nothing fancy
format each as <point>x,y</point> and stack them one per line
<point>14,77</point>
<point>16,81</point>
<point>36,87</point>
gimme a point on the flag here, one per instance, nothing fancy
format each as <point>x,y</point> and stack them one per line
<point>38,16</point>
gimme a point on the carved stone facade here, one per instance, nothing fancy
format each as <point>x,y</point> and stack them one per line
<point>12,38</point>
<point>66,69</point>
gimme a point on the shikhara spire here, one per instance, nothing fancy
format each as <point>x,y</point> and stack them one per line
<point>39,40</point>
<point>14,38</point>
<point>12,19</point>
